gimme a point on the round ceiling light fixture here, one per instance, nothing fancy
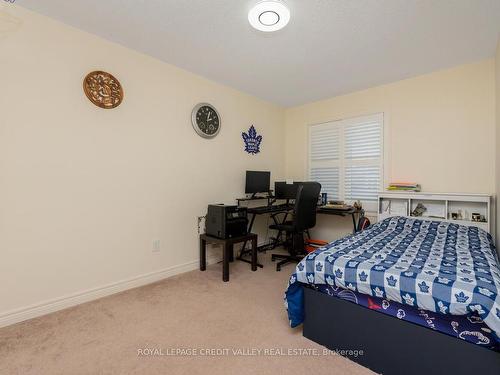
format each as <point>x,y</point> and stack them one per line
<point>269,15</point>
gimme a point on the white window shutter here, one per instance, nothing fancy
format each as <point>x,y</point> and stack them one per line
<point>362,182</point>
<point>325,143</point>
<point>363,140</point>
<point>362,151</point>
<point>324,159</point>
<point>328,177</point>
<point>346,158</point>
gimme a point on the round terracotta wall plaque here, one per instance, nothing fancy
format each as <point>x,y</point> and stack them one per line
<point>103,89</point>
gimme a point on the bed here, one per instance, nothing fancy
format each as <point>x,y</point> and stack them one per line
<point>407,292</point>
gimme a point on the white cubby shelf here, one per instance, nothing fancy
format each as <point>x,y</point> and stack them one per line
<point>439,206</point>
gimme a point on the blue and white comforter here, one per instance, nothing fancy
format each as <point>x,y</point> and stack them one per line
<point>436,266</point>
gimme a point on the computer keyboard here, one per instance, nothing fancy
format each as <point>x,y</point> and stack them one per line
<point>271,208</point>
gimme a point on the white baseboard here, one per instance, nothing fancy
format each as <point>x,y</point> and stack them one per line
<point>47,307</point>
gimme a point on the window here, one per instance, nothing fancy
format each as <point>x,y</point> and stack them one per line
<point>346,158</point>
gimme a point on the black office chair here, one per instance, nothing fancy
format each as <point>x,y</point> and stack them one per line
<point>304,218</point>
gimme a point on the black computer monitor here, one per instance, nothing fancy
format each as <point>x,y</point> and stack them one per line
<point>257,182</point>
<point>282,190</point>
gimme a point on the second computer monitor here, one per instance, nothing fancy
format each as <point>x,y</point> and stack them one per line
<point>282,190</point>
<point>257,182</point>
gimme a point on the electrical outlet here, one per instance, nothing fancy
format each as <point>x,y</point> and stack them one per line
<point>200,220</point>
<point>156,246</point>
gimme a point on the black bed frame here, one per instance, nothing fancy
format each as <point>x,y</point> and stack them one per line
<point>389,345</point>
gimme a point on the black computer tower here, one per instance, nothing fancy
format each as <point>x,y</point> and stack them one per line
<point>226,221</point>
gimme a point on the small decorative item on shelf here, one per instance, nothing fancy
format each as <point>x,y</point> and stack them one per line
<point>454,216</point>
<point>324,199</point>
<point>419,210</point>
<point>476,216</point>
<point>338,205</point>
<point>357,205</point>
<point>404,186</point>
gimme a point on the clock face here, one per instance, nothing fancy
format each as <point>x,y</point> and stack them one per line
<point>206,120</point>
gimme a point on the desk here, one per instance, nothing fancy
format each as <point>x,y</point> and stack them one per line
<point>270,209</point>
<point>332,211</point>
<point>273,210</point>
<point>228,251</point>
<point>269,199</point>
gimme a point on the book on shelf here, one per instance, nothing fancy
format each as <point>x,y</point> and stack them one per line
<point>404,186</point>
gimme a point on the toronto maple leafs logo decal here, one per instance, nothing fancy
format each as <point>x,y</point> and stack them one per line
<point>252,141</point>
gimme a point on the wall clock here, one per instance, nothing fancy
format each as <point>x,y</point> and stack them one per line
<point>206,120</point>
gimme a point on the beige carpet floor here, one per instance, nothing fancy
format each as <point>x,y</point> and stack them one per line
<point>193,311</point>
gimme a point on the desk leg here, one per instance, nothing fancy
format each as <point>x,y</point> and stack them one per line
<point>354,223</point>
<point>254,253</point>
<point>249,230</point>
<point>203,255</point>
<point>225,262</point>
<point>278,240</point>
<point>250,226</point>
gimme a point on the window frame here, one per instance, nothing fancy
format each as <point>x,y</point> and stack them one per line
<point>342,163</point>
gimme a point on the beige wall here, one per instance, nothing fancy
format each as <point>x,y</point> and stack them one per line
<point>440,131</point>
<point>85,191</point>
<point>497,71</point>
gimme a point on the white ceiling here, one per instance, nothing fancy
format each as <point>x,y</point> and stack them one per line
<point>330,47</point>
